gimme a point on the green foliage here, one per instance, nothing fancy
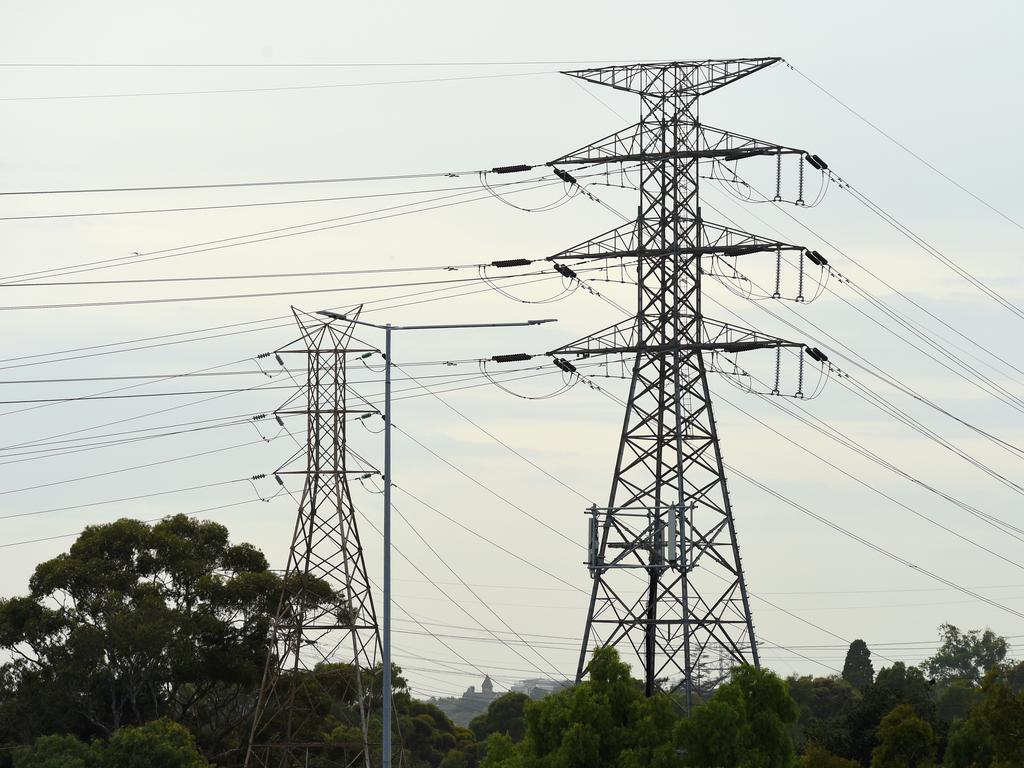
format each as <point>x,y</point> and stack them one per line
<point>505,714</point>
<point>134,623</point>
<point>605,721</point>
<point>818,757</point>
<point>905,741</point>
<point>893,686</point>
<point>744,723</point>
<point>955,700</point>
<point>157,744</point>
<point>54,752</point>
<point>858,670</point>
<point>823,703</point>
<point>965,655</point>
<point>993,734</point>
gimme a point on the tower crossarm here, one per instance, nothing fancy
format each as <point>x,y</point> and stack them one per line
<point>639,143</point>
<point>715,240</point>
<point>621,339</point>
<point>674,78</point>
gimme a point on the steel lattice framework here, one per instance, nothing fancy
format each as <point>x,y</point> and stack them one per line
<point>325,647</point>
<point>669,519</point>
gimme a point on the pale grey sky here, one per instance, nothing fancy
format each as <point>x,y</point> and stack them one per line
<point>940,79</point>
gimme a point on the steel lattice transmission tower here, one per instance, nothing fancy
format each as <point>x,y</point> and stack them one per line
<point>325,650</point>
<point>669,519</point>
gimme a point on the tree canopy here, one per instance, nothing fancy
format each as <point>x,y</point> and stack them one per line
<point>143,646</point>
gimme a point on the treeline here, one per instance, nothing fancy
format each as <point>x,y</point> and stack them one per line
<point>144,646</point>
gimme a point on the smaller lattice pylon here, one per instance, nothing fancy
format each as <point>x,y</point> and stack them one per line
<point>323,664</point>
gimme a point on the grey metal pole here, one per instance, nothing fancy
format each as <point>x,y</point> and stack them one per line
<point>386,714</point>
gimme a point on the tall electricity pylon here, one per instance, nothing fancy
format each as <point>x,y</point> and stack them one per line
<point>325,642</point>
<point>669,520</point>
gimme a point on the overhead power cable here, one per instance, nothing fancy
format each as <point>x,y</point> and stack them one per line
<point>238,184</point>
<point>303,65</point>
<point>999,392</point>
<point>877,548</point>
<point>878,129</point>
<point>228,206</point>
<point>272,88</point>
<point>150,520</point>
<point>277,233</point>
<point>105,502</point>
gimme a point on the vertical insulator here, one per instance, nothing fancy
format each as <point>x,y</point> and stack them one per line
<point>778,273</point>
<point>778,369</point>
<point>800,286</point>
<point>800,190</point>
<point>778,176</point>
<point>800,377</point>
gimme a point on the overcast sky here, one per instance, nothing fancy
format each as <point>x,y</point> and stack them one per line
<point>940,80</point>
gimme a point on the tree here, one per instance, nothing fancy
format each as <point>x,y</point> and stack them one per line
<point>54,752</point>
<point>893,686</point>
<point>505,714</point>
<point>905,741</point>
<point>966,655</point>
<point>157,744</point>
<point>744,723</point>
<point>818,757</point>
<point>604,721</point>
<point>137,622</point>
<point>993,734</point>
<point>824,704</point>
<point>858,670</point>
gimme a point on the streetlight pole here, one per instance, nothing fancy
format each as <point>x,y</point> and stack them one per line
<point>386,628</point>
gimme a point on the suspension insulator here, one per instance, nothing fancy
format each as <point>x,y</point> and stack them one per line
<point>565,176</point>
<point>511,263</point>
<point>512,168</point>
<point>816,162</point>
<point>565,365</point>
<point>816,354</point>
<point>516,358</point>
<point>817,258</point>
<point>565,271</point>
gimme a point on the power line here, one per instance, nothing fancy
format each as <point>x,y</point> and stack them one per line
<point>286,65</point>
<point>904,147</point>
<point>268,89</point>
<point>237,184</point>
<point>229,206</point>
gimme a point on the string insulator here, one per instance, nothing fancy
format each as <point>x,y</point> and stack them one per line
<point>279,480</point>
<point>800,284</point>
<point>259,417</point>
<point>516,358</point>
<point>511,263</point>
<point>816,354</point>
<point>800,378</point>
<point>817,258</point>
<point>800,187</point>
<point>565,176</point>
<point>778,177</point>
<point>566,271</point>
<point>816,162</point>
<point>279,420</point>
<point>778,369</point>
<point>512,168</point>
<point>279,360</point>
<point>257,477</point>
<point>778,274</point>
<point>565,365</point>
<point>263,355</point>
